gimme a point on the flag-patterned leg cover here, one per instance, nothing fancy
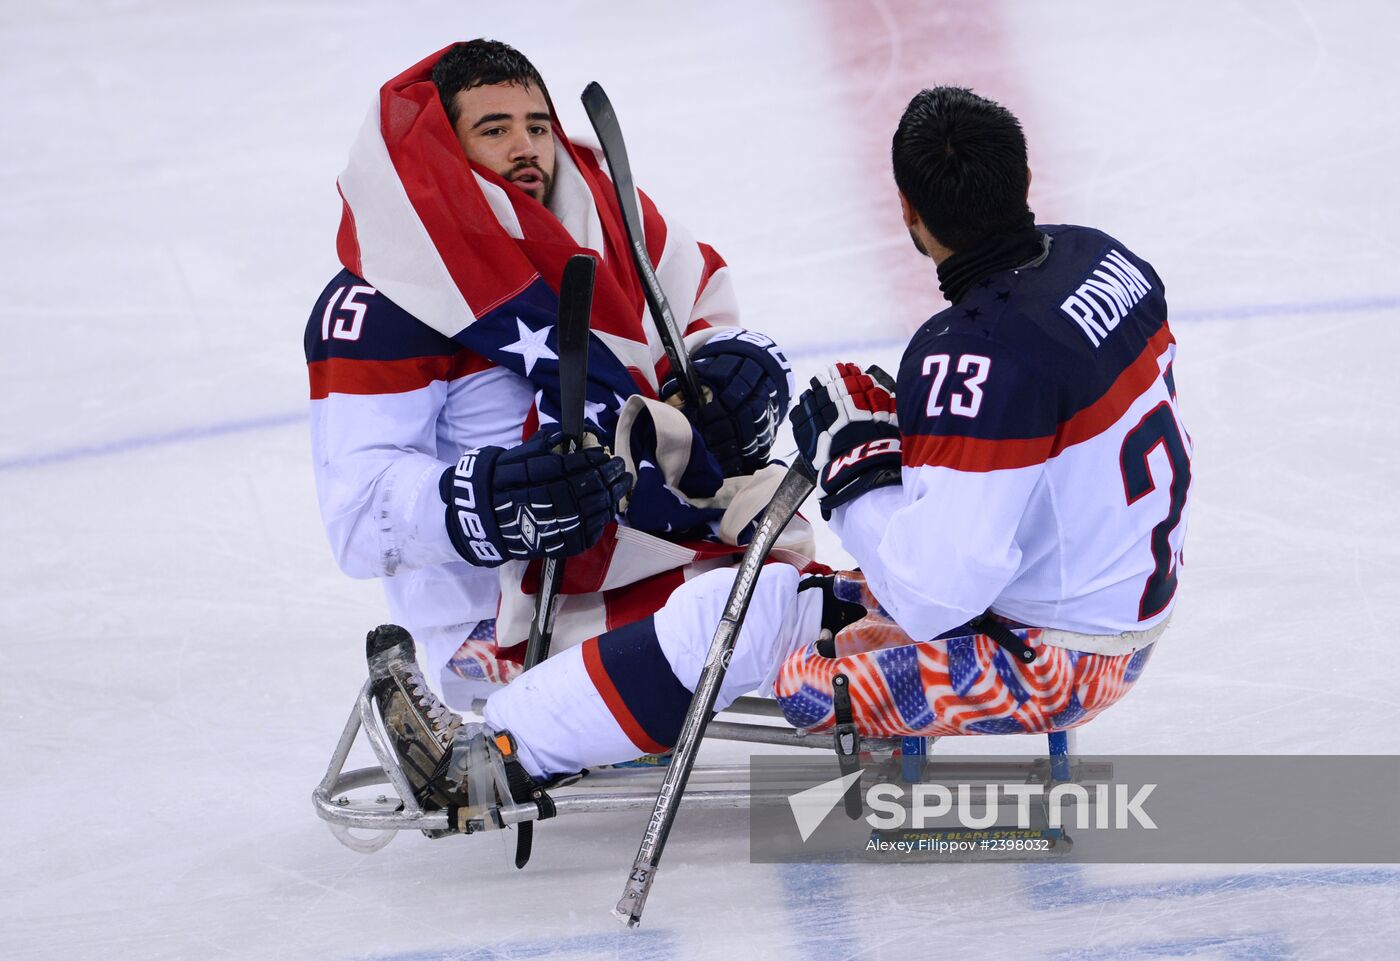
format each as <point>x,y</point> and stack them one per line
<point>960,684</point>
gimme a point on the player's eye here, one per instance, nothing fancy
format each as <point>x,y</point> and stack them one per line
<point>539,130</point>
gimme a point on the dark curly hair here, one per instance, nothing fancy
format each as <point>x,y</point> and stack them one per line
<point>479,63</point>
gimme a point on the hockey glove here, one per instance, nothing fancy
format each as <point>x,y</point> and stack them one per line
<point>532,500</point>
<point>749,384</point>
<point>846,427</point>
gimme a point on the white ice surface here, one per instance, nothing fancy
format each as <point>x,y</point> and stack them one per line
<point>180,651</point>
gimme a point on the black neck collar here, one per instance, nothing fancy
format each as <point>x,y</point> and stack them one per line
<point>958,274</point>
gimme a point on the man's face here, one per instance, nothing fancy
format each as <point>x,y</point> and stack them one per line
<point>507,127</point>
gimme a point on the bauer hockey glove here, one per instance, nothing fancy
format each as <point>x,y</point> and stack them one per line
<point>532,500</point>
<point>846,427</point>
<point>749,383</point>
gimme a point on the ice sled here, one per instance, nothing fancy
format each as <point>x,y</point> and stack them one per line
<point>378,799</point>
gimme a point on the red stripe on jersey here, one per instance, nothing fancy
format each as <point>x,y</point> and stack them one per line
<point>974,453</point>
<point>598,674</point>
<point>344,375</point>
<point>1130,385</point>
<point>981,455</point>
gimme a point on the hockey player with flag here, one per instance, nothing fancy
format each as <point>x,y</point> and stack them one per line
<point>433,355</point>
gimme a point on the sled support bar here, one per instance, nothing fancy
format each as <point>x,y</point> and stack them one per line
<point>396,810</point>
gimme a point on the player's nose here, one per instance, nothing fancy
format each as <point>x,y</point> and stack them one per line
<point>523,146</point>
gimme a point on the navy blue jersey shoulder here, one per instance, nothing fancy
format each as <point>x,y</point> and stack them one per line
<point>1056,335</point>
<point>363,324</point>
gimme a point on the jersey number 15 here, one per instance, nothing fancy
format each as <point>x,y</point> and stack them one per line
<point>349,316</point>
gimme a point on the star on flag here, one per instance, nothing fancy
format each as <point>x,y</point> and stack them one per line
<point>592,411</point>
<point>531,346</point>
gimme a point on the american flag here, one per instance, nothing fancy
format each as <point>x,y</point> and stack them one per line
<point>480,261</point>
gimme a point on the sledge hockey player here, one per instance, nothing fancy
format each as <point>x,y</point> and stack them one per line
<point>434,375</point>
<point>1016,499</point>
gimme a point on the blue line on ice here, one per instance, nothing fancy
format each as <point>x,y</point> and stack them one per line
<point>622,944</point>
<point>163,439</point>
<point>1361,305</point>
<point>1250,947</point>
<point>816,903</point>
<point>1049,886</point>
<point>185,435</point>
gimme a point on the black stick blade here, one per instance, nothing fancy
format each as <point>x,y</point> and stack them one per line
<point>604,119</point>
<point>575,309</point>
<point>605,124</point>
<point>575,313</point>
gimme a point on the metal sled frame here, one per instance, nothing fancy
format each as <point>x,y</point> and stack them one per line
<point>388,814</point>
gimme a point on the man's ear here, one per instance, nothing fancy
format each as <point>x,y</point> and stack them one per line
<point>911,216</point>
<point>1028,183</point>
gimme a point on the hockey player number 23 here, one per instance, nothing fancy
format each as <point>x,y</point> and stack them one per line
<point>1158,427</point>
<point>975,366</point>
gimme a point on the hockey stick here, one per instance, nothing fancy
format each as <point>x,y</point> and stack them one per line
<point>795,486</point>
<point>604,119</point>
<point>575,307</point>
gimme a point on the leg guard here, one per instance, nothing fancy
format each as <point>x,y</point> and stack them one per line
<point>625,693</point>
<point>963,684</point>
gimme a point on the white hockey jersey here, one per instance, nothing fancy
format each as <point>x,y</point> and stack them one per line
<point>1046,469</point>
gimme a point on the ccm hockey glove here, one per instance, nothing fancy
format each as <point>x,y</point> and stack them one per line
<point>749,383</point>
<point>846,427</point>
<point>532,500</point>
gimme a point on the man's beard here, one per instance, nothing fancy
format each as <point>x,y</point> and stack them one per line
<point>546,188</point>
<point>917,246</point>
